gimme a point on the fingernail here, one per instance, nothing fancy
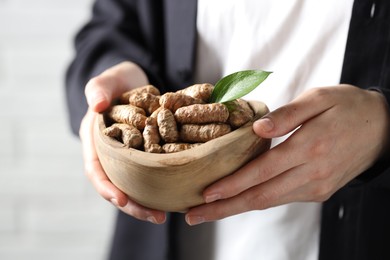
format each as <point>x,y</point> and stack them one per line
<point>212,197</point>
<point>151,219</point>
<point>265,124</point>
<point>195,220</point>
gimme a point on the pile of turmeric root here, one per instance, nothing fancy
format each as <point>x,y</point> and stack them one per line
<point>175,121</point>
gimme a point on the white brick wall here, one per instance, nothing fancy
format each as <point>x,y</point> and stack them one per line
<point>48,209</point>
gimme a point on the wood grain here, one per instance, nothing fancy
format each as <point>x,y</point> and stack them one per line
<point>174,182</point>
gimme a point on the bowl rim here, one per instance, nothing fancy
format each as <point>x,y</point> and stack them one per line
<point>182,157</point>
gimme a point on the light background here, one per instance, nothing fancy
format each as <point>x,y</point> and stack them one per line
<point>48,208</point>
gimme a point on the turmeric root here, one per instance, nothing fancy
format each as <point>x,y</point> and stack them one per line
<point>124,98</point>
<point>199,91</point>
<point>146,101</point>
<point>193,133</point>
<point>202,113</point>
<point>173,101</point>
<point>130,136</point>
<point>178,147</point>
<point>151,135</point>
<point>153,148</point>
<point>177,121</point>
<point>241,113</point>
<point>128,114</point>
<point>167,126</point>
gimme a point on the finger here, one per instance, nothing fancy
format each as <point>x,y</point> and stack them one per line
<point>282,157</point>
<point>287,118</point>
<point>111,193</point>
<point>312,180</point>
<point>291,186</point>
<point>261,169</point>
<point>103,185</point>
<point>257,198</point>
<point>99,92</point>
<point>142,213</point>
<point>101,89</point>
<point>93,168</point>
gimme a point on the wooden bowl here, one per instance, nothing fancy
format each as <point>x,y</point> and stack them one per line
<point>175,182</point>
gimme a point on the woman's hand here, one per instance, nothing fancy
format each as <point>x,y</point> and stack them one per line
<point>339,132</point>
<point>99,93</point>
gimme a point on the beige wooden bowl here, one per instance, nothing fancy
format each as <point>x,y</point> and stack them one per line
<point>175,182</point>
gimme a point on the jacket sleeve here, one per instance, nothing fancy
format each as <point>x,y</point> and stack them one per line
<point>367,65</point>
<point>379,173</point>
<point>118,30</point>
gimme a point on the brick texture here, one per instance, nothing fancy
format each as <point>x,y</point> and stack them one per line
<point>48,208</point>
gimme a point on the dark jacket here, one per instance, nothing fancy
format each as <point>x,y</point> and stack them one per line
<point>160,36</point>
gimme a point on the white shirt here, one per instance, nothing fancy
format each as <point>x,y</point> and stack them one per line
<point>302,42</point>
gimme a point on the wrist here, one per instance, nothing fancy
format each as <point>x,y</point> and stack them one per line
<point>385,110</point>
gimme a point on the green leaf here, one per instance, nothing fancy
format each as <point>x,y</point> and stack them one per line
<point>237,85</point>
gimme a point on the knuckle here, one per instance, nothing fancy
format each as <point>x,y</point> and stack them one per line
<point>322,198</point>
<point>263,173</point>
<point>289,114</point>
<point>100,83</point>
<point>321,174</point>
<point>322,193</point>
<point>89,171</point>
<point>320,95</point>
<point>90,85</point>
<point>258,201</point>
<point>319,147</point>
<point>319,92</point>
<point>220,213</point>
<point>95,82</point>
<point>135,212</point>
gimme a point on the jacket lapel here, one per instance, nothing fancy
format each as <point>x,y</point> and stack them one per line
<point>368,46</point>
<point>180,26</point>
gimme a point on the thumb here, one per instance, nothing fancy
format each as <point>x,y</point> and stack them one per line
<point>287,118</point>
<point>99,92</point>
<point>116,80</point>
<point>279,122</point>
